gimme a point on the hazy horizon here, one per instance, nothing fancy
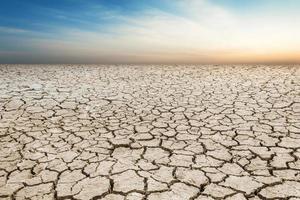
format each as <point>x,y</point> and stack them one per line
<point>146,32</point>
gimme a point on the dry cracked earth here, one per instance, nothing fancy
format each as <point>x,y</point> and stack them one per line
<point>149,132</point>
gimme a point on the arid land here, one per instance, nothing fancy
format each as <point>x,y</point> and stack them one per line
<point>149,132</point>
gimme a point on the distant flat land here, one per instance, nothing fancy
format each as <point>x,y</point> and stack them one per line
<point>149,132</point>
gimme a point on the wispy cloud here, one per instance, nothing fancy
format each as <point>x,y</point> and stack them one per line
<point>13,30</point>
<point>202,32</point>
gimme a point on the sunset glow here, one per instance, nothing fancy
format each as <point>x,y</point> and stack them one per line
<point>180,31</point>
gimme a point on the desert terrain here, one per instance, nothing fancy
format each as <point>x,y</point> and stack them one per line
<point>157,132</point>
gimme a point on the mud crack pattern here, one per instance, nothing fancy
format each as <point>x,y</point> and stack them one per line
<point>149,132</point>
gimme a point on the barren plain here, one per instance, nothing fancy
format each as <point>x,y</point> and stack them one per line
<point>125,132</point>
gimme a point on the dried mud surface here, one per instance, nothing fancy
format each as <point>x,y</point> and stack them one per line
<point>149,132</point>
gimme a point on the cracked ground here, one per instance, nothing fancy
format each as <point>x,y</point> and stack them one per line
<point>149,132</point>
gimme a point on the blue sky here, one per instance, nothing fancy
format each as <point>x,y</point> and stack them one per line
<point>150,31</point>
<point>47,15</point>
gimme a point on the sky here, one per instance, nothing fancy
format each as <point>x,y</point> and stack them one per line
<point>150,31</point>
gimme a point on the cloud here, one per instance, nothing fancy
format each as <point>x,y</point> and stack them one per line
<point>10,30</point>
<point>202,32</point>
